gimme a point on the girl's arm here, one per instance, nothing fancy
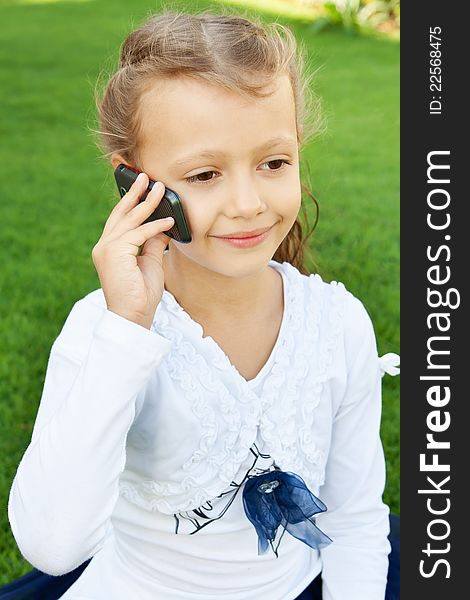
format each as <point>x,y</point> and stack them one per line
<point>66,484</point>
<point>355,565</point>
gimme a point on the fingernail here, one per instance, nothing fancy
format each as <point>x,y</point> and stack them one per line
<point>140,176</point>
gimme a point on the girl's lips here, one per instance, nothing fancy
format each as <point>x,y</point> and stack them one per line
<point>248,240</point>
<point>244,234</point>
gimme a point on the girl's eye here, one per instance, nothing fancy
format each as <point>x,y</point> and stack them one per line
<point>278,160</point>
<point>195,178</point>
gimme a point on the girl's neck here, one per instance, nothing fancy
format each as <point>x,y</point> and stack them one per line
<point>212,297</point>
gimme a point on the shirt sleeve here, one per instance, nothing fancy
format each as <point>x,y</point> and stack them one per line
<point>355,564</point>
<point>67,482</point>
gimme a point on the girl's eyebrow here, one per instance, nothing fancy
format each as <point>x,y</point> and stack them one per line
<point>276,141</point>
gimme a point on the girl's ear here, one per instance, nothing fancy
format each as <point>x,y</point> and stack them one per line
<point>117,159</point>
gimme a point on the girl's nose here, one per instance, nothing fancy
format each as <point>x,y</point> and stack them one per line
<point>244,199</point>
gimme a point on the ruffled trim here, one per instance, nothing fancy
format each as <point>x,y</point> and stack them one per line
<point>278,423</point>
<point>287,425</point>
<point>152,495</point>
<point>331,314</point>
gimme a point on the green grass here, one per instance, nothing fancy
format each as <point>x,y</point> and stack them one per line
<point>57,194</point>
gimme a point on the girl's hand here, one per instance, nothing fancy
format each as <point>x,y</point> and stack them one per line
<point>133,285</point>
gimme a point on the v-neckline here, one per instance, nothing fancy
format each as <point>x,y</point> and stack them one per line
<point>171,300</point>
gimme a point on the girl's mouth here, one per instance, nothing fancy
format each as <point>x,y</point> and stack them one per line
<point>246,239</point>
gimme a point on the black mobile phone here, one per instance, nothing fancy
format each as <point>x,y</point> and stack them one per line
<point>169,206</point>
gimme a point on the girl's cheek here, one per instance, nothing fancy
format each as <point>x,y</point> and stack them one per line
<point>199,220</point>
<point>288,204</point>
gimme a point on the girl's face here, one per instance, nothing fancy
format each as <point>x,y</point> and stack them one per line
<point>234,163</point>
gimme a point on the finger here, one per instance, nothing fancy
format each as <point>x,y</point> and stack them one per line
<point>153,197</point>
<point>127,202</point>
<point>138,214</point>
<point>137,237</point>
<point>154,247</point>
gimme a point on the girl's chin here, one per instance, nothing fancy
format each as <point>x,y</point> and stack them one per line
<point>220,256</point>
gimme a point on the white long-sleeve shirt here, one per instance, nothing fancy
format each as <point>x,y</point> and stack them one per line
<point>143,439</point>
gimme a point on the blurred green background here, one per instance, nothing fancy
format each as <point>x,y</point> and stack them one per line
<point>57,193</point>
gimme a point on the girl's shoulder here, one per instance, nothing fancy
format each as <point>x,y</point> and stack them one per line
<point>330,314</point>
<point>331,300</point>
<point>336,314</point>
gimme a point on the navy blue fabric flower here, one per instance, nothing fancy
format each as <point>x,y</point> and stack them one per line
<point>280,498</point>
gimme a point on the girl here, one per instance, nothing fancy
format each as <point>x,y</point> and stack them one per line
<point>203,405</point>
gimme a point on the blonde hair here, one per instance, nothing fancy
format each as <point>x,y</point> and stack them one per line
<point>240,54</point>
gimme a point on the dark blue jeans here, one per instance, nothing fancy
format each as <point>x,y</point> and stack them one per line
<point>39,586</point>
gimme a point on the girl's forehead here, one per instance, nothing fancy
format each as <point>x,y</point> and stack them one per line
<point>178,89</point>
<point>185,108</point>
